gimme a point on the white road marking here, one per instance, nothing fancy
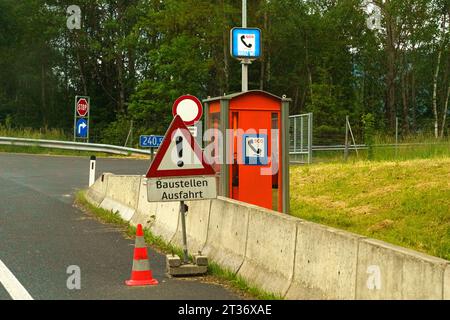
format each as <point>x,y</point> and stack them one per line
<point>12,285</point>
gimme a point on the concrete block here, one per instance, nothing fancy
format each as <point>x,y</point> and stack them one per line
<point>325,263</point>
<point>173,261</point>
<point>447,283</point>
<point>197,220</point>
<point>187,270</point>
<point>126,213</point>
<point>161,218</point>
<point>124,189</point>
<point>97,192</point>
<point>166,220</point>
<point>200,260</point>
<point>227,233</point>
<point>146,211</point>
<point>390,272</point>
<point>269,258</point>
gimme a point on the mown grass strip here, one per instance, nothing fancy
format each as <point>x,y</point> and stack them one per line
<point>404,203</point>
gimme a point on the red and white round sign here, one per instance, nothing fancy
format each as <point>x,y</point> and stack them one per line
<point>189,108</point>
<point>82,107</point>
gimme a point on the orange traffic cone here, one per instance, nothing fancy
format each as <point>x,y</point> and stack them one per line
<point>141,275</point>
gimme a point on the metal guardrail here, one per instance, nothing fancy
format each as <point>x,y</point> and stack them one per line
<point>106,148</point>
<point>68,145</point>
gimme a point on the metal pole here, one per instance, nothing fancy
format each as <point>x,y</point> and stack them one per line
<point>285,141</point>
<point>396,137</point>
<point>183,229</point>
<point>88,119</point>
<point>346,139</point>
<point>302,142</point>
<point>310,138</point>
<point>353,139</point>
<point>75,121</point>
<point>295,135</point>
<point>131,138</point>
<point>244,63</point>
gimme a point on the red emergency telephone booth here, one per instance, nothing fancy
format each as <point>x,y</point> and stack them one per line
<point>250,135</point>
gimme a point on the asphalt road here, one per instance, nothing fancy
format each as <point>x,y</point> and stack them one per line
<point>42,234</point>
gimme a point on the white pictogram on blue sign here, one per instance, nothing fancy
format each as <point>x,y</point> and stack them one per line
<point>150,141</point>
<point>246,43</point>
<point>255,149</point>
<point>82,128</point>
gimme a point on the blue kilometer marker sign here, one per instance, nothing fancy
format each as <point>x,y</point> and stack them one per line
<point>246,43</point>
<point>150,141</point>
<point>82,128</point>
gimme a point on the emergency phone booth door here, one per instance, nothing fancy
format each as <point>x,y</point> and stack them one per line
<point>250,134</point>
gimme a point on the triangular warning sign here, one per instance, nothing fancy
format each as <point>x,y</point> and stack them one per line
<point>179,155</point>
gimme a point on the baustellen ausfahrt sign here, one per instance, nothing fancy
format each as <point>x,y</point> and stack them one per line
<point>179,171</point>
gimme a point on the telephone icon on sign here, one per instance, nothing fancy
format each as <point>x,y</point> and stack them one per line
<point>245,43</point>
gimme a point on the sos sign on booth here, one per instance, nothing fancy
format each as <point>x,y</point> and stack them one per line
<point>255,149</point>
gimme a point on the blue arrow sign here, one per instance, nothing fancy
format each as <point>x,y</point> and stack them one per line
<point>246,43</point>
<point>82,128</point>
<point>150,141</point>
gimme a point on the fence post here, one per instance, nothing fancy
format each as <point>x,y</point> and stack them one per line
<point>310,138</point>
<point>346,139</point>
<point>396,137</point>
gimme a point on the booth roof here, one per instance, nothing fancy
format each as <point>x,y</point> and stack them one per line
<point>235,95</point>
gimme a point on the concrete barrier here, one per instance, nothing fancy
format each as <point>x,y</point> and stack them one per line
<point>145,212</point>
<point>270,251</point>
<point>97,192</point>
<point>325,263</point>
<point>126,213</point>
<point>447,283</point>
<point>389,272</point>
<point>165,223</point>
<point>197,220</point>
<point>160,218</point>
<point>124,189</point>
<point>227,233</point>
<point>122,195</point>
<point>278,253</point>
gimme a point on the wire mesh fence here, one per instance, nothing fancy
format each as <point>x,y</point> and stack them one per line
<point>348,141</point>
<point>301,134</point>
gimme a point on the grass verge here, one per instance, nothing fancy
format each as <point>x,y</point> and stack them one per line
<point>405,203</point>
<point>220,274</point>
<point>52,152</point>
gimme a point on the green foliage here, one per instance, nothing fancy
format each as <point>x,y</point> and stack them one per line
<point>116,132</point>
<point>134,58</point>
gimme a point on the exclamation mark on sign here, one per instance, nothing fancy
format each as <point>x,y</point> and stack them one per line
<point>179,142</point>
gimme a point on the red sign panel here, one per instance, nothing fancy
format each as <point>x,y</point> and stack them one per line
<point>189,108</point>
<point>82,107</point>
<point>179,155</point>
